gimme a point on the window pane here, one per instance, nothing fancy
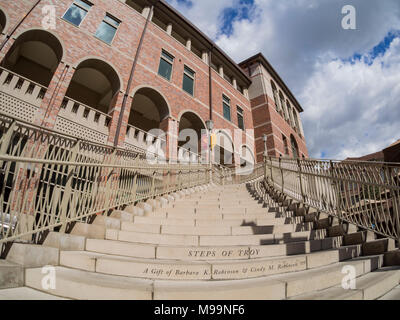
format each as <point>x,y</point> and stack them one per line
<point>106,32</point>
<point>189,72</point>
<point>167,56</point>
<point>75,15</point>
<point>226,99</point>
<point>240,122</point>
<point>165,69</point>
<point>112,21</point>
<point>227,112</point>
<point>188,84</point>
<point>83,4</point>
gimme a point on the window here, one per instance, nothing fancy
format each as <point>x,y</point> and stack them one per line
<point>296,120</point>
<point>285,145</point>
<point>295,149</point>
<point>188,80</point>
<point>77,12</point>
<point>275,93</point>
<point>108,29</point>
<point>166,62</point>
<point>227,107</point>
<point>240,118</point>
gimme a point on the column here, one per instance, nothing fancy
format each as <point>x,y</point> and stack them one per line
<point>221,71</point>
<point>115,118</point>
<point>54,96</point>
<point>169,29</point>
<point>189,44</point>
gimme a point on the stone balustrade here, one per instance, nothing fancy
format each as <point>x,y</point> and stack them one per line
<point>19,96</point>
<point>82,121</point>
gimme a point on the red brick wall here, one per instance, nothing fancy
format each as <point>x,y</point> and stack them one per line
<point>80,43</point>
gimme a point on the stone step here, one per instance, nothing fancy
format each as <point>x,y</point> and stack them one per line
<point>393,294</point>
<point>24,293</point>
<point>194,253</point>
<point>216,222</point>
<point>83,285</point>
<point>194,270</point>
<point>11,275</point>
<point>276,287</point>
<point>370,286</point>
<point>214,230</point>
<point>203,240</point>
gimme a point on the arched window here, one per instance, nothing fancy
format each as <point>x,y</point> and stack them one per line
<point>283,111</point>
<point>275,94</point>
<point>34,55</point>
<point>285,145</point>
<point>295,149</point>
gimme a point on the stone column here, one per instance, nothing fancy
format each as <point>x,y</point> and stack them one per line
<point>221,71</point>
<point>169,28</point>
<point>189,44</point>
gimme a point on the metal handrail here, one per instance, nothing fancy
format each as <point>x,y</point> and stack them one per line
<point>366,194</point>
<point>48,179</point>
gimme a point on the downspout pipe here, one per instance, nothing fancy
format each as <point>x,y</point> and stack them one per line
<point>135,61</point>
<point>210,81</point>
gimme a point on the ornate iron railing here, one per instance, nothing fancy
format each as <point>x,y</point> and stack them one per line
<point>48,179</point>
<point>366,194</point>
<point>225,176</point>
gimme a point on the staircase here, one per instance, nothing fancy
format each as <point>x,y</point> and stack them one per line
<point>214,242</point>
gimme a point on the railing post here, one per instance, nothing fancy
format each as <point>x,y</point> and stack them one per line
<point>396,209</point>
<point>153,185</point>
<point>272,176</point>
<point>301,181</point>
<point>68,190</point>
<point>334,184</point>
<point>280,168</point>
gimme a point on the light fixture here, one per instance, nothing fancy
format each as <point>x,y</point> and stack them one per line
<point>265,137</point>
<point>209,125</point>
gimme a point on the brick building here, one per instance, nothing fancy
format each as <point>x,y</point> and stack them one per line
<point>110,71</point>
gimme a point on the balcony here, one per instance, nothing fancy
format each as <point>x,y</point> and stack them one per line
<point>19,96</point>
<point>139,139</point>
<point>82,121</point>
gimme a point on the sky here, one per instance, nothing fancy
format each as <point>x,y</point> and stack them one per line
<point>347,81</point>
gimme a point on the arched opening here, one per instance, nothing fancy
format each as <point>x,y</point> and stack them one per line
<point>247,159</point>
<point>34,55</point>
<point>96,84</point>
<point>295,148</point>
<point>149,109</point>
<point>191,131</point>
<point>224,150</point>
<point>3,21</point>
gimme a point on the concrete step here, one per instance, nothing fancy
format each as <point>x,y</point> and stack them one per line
<point>216,222</point>
<point>83,285</point>
<point>11,275</point>
<point>275,287</point>
<point>195,253</point>
<point>24,293</point>
<point>393,294</point>
<point>369,286</point>
<point>194,270</point>
<point>203,240</point>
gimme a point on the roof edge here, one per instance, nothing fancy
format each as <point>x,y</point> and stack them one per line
<point>211,43</point>
<point>261,58</point>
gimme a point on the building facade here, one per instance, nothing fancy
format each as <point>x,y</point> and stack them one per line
<point>112,71</point>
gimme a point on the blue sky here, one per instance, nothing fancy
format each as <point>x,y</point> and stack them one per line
<point>348,81</point>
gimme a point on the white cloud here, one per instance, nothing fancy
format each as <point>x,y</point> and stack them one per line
<point>350,109</point>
